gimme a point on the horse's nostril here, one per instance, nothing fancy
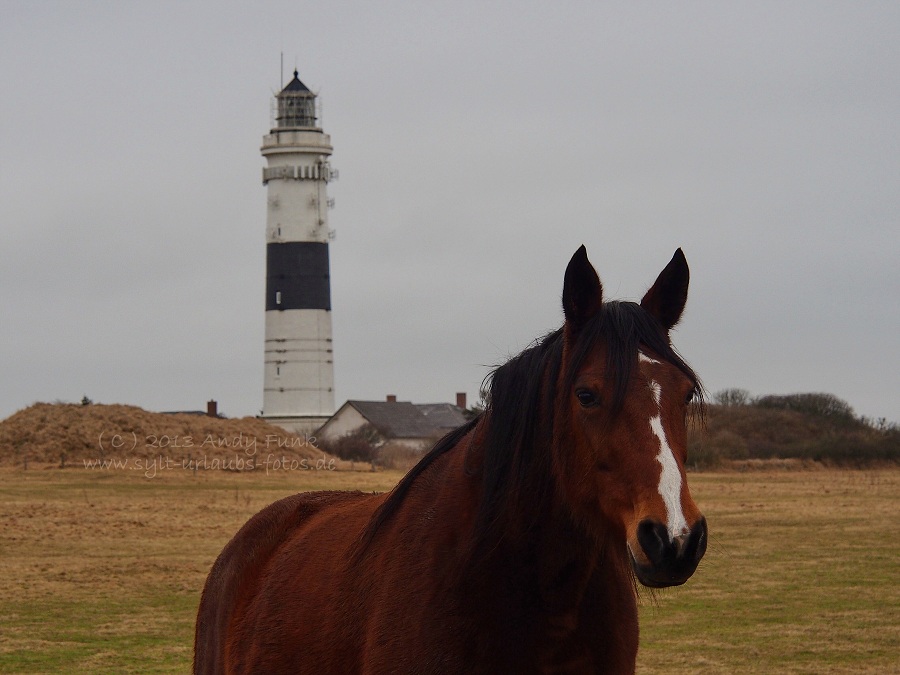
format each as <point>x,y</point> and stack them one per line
<point>696,545</point>
<point>654,539</point>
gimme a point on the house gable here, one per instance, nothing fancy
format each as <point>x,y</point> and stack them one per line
<point>394,419</point>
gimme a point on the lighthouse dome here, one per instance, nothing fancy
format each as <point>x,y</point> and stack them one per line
<point>295,85</point>
<point>296,105</point>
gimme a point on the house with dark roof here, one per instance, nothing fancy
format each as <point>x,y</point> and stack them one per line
<point>415,425</point>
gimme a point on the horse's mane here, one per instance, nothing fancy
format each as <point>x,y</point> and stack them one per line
<point>392,503</point>
<point>519,419</point>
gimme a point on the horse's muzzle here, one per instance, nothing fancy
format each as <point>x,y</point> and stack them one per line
<point>670,562</point>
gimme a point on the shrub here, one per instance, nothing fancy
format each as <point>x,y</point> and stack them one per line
<point>729,397</point>
<point>816,427</point>
<point>357,446</point>
<point>822,405</point>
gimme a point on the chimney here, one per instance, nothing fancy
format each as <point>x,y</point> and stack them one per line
<point>212,409</point>
<point>461,399</point>
<point>391,398</point>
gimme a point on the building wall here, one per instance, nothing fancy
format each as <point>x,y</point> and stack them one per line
<point>345,421</point>
<point>299,371</point>
<point>297,208</point>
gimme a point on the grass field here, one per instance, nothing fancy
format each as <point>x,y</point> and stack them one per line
<point>102,571</point>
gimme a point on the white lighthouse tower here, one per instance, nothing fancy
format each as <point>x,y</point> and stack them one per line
<point>298,392</point>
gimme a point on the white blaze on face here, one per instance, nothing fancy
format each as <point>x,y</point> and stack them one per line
<point>670,476</point>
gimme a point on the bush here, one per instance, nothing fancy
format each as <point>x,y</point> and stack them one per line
<point>358,446</point>
<point>856,450</point>
<point>814,427</point>
<point>729,397</point>
<point>821,405</point>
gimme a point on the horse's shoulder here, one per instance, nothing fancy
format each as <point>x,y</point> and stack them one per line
<point>275,522</point>
<point>269,529</point>
<point>238,569</point>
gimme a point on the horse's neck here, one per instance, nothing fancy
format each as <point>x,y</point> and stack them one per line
<point>550,553</point>
<point>559,558</point>
<point>570,601</point>
<point>565,562</point>
<point>574,567</point>
<point>553,592</point>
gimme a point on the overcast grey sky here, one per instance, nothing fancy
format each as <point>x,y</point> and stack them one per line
<point>479,144</point>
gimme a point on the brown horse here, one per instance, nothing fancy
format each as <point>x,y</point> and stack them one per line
<point>513,545</point>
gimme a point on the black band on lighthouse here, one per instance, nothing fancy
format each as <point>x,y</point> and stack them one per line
<point>297,276</point>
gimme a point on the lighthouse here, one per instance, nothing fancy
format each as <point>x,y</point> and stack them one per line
<point>298,389</point>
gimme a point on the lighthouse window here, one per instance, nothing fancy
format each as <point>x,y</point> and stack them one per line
<point>277,297</point>
<point>277,371</point>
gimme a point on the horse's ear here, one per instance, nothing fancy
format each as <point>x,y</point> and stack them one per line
<point>666,298</point>
<point>582,292</point>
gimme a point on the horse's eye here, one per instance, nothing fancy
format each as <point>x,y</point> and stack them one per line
<point>586,398</point>
<point>692,394</point>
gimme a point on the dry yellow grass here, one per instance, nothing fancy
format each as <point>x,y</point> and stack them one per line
<point>101,571</point>
<point>802,576</point>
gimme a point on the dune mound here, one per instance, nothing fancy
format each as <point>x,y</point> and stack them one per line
<point>83,435</point>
